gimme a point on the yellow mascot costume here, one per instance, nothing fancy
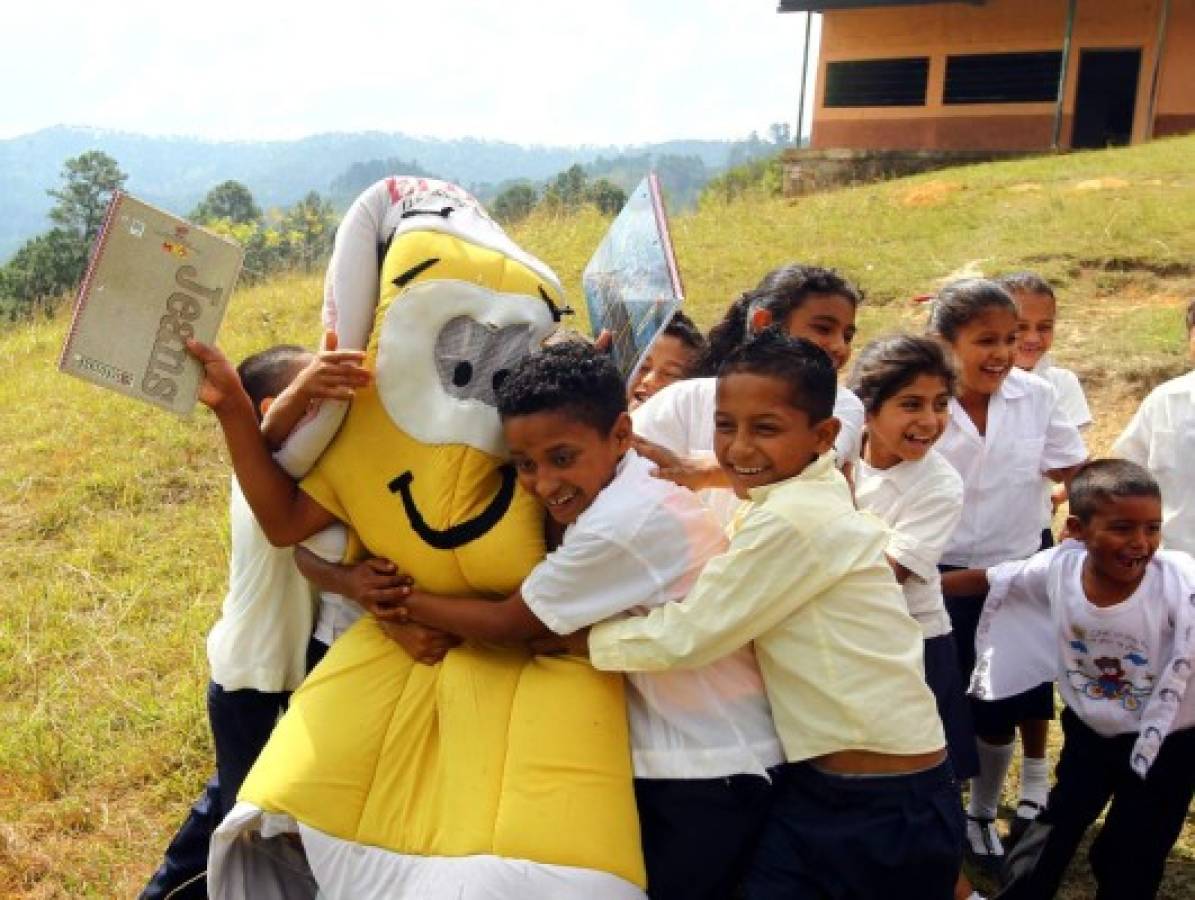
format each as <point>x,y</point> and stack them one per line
<point>493,774</point>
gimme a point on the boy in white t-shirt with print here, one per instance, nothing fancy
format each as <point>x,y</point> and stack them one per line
<point>702,741</point>
<point>1111,619</point>
<point>1161,437</point>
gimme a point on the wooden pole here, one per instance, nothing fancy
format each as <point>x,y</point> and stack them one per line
<point>1071,10</point>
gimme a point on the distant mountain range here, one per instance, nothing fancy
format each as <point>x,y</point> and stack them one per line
<point>176,172</point>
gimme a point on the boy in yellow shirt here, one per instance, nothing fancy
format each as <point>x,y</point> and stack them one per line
<point>865,804</point>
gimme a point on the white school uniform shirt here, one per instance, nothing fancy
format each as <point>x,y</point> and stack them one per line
<point>920,502</point>
<point>642,543</point>
<point>680,417</point>
<point>260,640</point>
<point>1161,437</point>
<point>1121,669</point>
<point>336,613</point>
<point>1027,435</point>
<point>1073,403</point>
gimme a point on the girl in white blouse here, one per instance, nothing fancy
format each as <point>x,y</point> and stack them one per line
<point>1005,432</point>
<point>905,384</point>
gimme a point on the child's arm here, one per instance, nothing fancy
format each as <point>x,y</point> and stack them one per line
<point>965,583</point>
<point>769,573</point>
<point>331,375</point>
<point>592,576</point>
<point>375,583</point>
<point>499,622</point>
<point>694,473</point>
<point>285,513</point>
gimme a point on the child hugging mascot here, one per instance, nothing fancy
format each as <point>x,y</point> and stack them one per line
<point>493,774</point>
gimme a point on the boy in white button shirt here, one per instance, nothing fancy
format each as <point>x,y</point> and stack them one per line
<point>1111,618</point>
<point>702,741</point>
<point>1161,437</point>
<point>865,805</point>
<point>1037,321</point>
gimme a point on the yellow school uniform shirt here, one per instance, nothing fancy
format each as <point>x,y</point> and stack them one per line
<point>804,578</point>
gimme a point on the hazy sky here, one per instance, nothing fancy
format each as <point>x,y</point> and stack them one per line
<point>552,71</point>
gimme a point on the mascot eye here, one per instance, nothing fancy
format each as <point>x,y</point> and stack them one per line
<point>473,359</point>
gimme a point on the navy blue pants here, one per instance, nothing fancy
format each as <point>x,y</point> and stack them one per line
<point>698,834</point>
<point>241,723</point>
<point>836,837</point>
<point>1145,818</point>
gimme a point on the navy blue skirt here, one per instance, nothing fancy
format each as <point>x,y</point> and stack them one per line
<point>942,676</point>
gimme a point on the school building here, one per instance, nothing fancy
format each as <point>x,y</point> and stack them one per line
<point>1001,75</point>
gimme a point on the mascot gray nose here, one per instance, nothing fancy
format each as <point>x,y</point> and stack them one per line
<point>473,359</point>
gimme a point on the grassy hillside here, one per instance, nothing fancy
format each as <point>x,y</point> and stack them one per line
<point>113,538</point>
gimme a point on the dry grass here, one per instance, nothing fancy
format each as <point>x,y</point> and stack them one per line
<point>113,541</point>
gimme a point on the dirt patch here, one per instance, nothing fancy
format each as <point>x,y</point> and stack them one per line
<point>1102,184</point>
<point>931,193</point>
<point>1025,187</point>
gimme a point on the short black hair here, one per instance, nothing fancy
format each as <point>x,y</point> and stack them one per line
<point>1026,283</point>
<point>686,331</point>
<point>805,367</point>
<point>1101,480</point>
<point>780,292</point>
<point>888,365</point>
<point>268,372</point>
<point>961,301</point>
<point>571,378</point>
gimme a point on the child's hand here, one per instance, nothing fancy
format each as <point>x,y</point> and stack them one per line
<point>693,474</point>
<point>575,644</point>
<point>332,374</point>
<point>378,586</point>
<point>220,385</point>
<point>425,645</point>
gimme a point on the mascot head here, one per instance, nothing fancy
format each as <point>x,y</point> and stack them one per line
<point>443,301</point>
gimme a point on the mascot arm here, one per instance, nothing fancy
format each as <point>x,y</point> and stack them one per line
<point>492,621</point>
<point>286,514</point>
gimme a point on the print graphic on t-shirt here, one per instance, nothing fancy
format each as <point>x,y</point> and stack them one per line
<point>1113,670</point>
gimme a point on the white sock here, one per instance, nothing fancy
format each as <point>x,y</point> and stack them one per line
<point>1035,780</point>
<point>994,760</point>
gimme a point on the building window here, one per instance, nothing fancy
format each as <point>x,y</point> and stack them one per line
<point>1003,78</point>
<point>877,82</point>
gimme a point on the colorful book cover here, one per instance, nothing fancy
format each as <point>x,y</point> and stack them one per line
<point>632,286</point>
<point>153,281</point>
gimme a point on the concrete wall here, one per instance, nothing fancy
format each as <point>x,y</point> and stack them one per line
<point>1000,26</point>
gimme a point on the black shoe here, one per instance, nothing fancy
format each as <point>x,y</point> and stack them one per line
<point>1027,812</point>
<point>982,848</point>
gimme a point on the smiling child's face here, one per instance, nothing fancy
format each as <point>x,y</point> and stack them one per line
<point>562,461</point>
<point>759,436</point>
<point>908,423</point>
<point>985,348</point>
<point>827,320</point>
<point>668,360</point>
<point>1122,536</point>
<point>1035,327</point>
